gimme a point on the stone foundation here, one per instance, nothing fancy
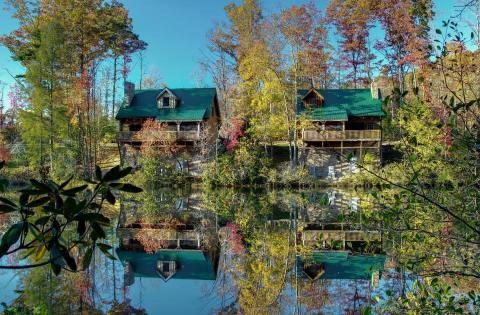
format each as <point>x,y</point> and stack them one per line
<point>131,156</point>
<point>328,163</point>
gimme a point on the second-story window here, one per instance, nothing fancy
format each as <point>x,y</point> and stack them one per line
<point>313,101</point>
<point>166,102</point>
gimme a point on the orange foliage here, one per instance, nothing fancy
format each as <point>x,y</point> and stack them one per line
<point>4,154</point>
<point>150,245</point>
<point>156,134</point>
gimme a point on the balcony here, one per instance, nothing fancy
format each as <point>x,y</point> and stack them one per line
<point>134,136</point>
<point>310,237</point>
<point>341,135</point>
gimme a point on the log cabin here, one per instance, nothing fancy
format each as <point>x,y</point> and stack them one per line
<point>166,264</point>
<point>339,122</point>
<point>171,246</point>
<point>187,113</point>
<point>342,265</point>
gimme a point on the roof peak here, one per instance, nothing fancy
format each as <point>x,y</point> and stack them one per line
<point>173,89</point>
<point>342,89</point>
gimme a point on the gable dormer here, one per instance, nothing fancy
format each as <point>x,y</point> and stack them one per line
<point>313,99</point>
<point>167,99</point>
<point>166,269</point>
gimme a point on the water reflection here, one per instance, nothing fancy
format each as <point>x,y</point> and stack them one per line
<point>226,251</point>
<point>178,243</point>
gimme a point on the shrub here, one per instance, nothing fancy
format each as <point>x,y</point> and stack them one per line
<point>156,168</point>
<point>243,166</point>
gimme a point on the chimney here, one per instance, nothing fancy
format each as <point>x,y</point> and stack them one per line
<point>376,94</point>
<point>128,91</point>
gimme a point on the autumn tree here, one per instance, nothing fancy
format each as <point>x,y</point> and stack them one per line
<point>304,35</point>
<point>152,79</point>
<point>48,107</point>
<point>405,44</point>
<point>62,45</point>
<point>352,20</point>
<point>160,152</point>
<point>121,42</point>
<point>431,208</point>
<point>229,44</point>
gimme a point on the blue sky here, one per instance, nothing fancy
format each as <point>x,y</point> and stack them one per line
<point>177,39</point>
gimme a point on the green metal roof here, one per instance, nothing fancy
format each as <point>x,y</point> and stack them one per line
<point>193,264</point>
<point>341,265</point>
<point>339,104</point>
<point>330,113</point>
<point>195,105</point>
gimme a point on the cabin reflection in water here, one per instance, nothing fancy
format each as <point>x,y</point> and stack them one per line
<point>333,221</point>
<point>339,257</point>
<point>328,206</point>
<point>169,248</point>
<point>342,265</point>
<point>167,264</point>
<point>339,282</point>
<point>340,251</point>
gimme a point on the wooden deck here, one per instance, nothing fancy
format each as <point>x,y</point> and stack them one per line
<point>133,136</point>
<point>341,135</point>
<point>310,237</point>
<point>159,234</point>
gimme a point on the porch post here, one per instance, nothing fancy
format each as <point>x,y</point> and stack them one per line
<point>343,125</point>
<point>198,129</point>
<point>178,126</point>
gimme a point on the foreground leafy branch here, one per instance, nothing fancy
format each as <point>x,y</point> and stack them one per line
<point>59,221</point>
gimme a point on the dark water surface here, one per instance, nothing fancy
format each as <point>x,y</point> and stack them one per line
<point>222,251</point>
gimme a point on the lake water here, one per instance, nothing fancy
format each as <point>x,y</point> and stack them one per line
<point>222,251</point>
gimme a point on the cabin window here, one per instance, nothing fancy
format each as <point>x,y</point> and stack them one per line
<point>188,127</point>
<point>171,127</point>
<point>313,101</point>
<point>334,126</point>
<point>166,267</point>
<point>136,127</point>
<point>371,126</point>
<point>166,102</point>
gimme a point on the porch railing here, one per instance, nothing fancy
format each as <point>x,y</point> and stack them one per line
<point>341,135</point>
<point>128,136</point>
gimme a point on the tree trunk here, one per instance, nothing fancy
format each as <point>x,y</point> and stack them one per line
<point>51,125</point>
<point>114,85</point>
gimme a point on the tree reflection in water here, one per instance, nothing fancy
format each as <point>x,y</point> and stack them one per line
<point>224,251</point>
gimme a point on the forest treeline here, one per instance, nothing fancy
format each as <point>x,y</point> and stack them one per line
<point>76,53</point>
<point>63,106</point>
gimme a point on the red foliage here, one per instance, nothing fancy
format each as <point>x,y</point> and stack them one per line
<point>149,244</point>
<point>82,285</point>
<point>403,42</point>
<point>446,230</point>
<point>234,239</point>
<point>16,101</point>
<point>352,21</point>
<point>442,114</point>
<point>233,133</point>
<point>15,98</point>
<point>303,26</point>
<point>4,154</point>
<point>156,134</point>
<point>447,136</point>
<point>125,68</point>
